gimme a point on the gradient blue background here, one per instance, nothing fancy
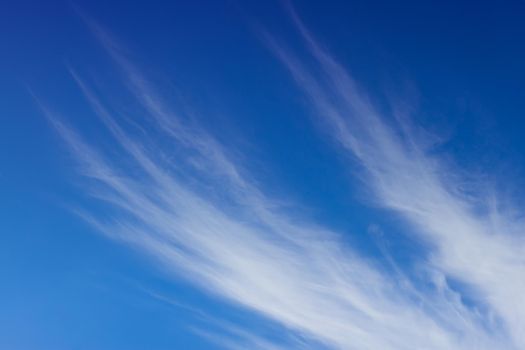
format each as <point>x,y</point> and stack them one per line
<point>63,286</point>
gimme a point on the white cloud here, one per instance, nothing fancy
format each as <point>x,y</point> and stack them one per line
<point>484,251</point>
<point>242,246</point>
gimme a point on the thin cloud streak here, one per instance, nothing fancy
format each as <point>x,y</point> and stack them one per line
<point>244,248</point>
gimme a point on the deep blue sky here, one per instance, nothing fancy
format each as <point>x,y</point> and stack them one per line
<point>459,64</point>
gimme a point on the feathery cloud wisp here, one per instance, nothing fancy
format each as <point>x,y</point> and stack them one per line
<point>484,251</point>
<point>240,245</point>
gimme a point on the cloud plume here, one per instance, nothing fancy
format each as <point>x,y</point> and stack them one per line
<point>484,251</point>
<point>176,194</point>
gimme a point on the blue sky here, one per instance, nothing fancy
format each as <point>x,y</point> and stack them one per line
<point>262,175</point>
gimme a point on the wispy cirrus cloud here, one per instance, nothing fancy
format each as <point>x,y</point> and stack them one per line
<point>201,217</point>
<point>472,240</point>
